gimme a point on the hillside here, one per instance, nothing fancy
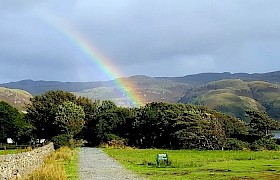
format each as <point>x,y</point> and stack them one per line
<point>151,89</point>
<point>235,96</point>
<point>226,92</point>
<point>15,97</point>
<point>40,87</point>
<point>203,78</point>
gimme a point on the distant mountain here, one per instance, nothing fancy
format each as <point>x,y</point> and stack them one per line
<point>151,89</point>
<point>226,92</point>
<point>199,79</point>
<point>235,96</point>
<point>40,87</point>
<point>15,97</point>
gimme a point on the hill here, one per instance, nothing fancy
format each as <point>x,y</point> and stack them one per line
<point>202,78</point>
<point>226,92</point>
<point>235,96</point>
<point>151,89</point>
<point>15,97</point>
<point>40,87</point>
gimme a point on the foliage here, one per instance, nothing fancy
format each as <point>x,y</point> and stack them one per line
<point>42,112</point>
<point>120,144</point>
<point>63,117</point>
<point>61,140</point>
<point>70,118</point>
<point>13,125</point>
<point>261,124</point>
<point>235,144</point>
<point>264,144</point>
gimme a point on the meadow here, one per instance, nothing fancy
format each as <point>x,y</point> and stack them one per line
<point>193,164</point>
<point>10,151</point>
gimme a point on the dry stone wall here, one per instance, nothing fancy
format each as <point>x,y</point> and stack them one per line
<point>14,166</point>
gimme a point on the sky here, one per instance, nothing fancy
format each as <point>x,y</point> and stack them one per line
<point>158,38</point>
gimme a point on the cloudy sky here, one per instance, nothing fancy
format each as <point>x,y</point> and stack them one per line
<point>154,38</point>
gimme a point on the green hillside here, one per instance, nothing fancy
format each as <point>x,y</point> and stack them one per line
<point>15,97</point>
<point>235,96</point>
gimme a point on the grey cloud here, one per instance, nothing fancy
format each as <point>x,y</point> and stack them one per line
<point>143,37</point>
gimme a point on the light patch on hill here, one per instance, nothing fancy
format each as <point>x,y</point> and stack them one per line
<point>15,97</point>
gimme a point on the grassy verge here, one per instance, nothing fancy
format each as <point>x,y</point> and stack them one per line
<point>71,167</point>
<point>190,164</point>
<point>60,165</point>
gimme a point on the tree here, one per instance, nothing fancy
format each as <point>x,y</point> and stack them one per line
<point>12,124</point>
<point>91,110</point>
<point>42,111</point>
<point>261,124</point>
<point>70,118</point>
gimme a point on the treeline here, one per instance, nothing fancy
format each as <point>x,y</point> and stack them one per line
<point>62,117</point>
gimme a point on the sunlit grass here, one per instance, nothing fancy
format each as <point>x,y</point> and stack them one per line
<point>60,165</point>
<point>190,164</point>
<point>72,167</point>
<point>15,150</point>
<point>9,151</point>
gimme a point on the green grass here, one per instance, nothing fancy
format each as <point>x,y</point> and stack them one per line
<point>71,167</point>
<point>10,151</point>
<point>191,164</point>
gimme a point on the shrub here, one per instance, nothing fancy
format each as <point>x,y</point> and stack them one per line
<point>277,140</point>
<point>116,144</point>
<point>61,140</point>
<point>235,144</point>
<point>264,144</point>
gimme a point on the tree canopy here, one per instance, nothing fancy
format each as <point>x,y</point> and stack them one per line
<point>155,125</point>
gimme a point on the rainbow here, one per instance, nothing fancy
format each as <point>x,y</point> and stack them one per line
<point>127,86</point>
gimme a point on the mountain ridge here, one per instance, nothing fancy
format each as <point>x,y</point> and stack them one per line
<point>234,90</point>
<point>42,86</point>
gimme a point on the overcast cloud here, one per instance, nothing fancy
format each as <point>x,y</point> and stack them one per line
<point>154,38</point>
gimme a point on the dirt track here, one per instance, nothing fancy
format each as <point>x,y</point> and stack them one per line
<point>95,164</point>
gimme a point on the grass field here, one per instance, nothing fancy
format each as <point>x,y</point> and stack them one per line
<point>10,151</point>
<point>191,164</point>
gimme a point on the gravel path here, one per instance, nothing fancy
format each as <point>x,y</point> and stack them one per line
<point>95,164</point>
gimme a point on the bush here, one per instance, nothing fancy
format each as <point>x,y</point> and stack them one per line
<point>235,144</point>
<point>61,140</point>
<point>277,140</point>
<point>264,144</point>
<point>73,143</point>
<point>65,140</point>
<point>116,144</point>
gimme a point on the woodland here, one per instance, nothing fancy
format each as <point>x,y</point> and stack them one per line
<point>66,119</point>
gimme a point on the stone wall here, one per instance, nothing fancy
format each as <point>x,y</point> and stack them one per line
<point>19,165</point>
